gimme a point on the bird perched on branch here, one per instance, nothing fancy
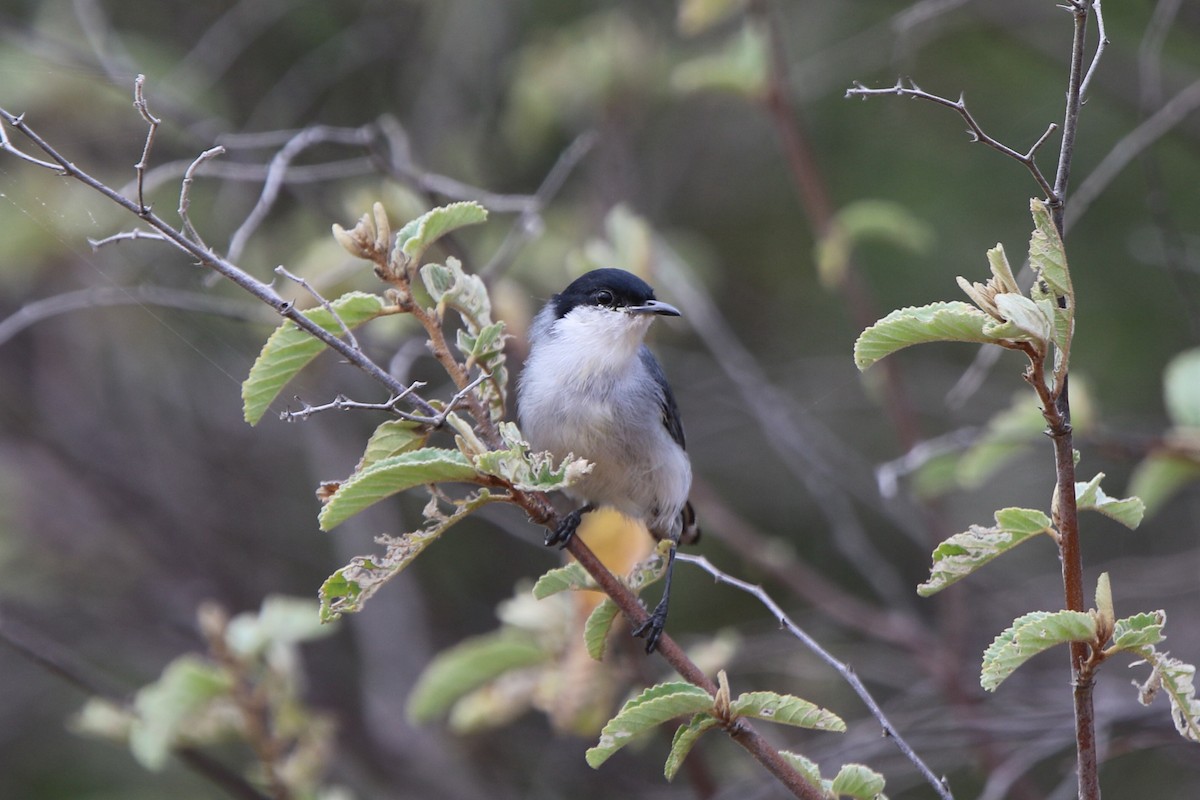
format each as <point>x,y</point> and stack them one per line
<point>591,387</point>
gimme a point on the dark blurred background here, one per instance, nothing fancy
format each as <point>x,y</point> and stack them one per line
<point>131,490</point>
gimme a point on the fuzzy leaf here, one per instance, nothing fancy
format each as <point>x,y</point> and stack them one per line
<point>1128,512</point>
<point>859,782</point>
<point>465,667</point>
<point>391,475</point>
<point>1046,253</point>
<point>652,707</point>
<point>563,579</point>
<point>685,739</point>
<point>1178,679</point>
<point>1159,476</point>
<point>807,768</point>
<point>416,237</point>
<point>1025,315</point>
<point>595,630</point>
<point>937,322</point>
<point>1030,635</point>
<point>533,472</point>
<point>392,438</point>
<point>1140,630</point>
<point>963,553</point>
<point>786,709</point>
<point>289,350</point>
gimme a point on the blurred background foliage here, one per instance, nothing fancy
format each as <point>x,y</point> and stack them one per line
<point>131,491</point>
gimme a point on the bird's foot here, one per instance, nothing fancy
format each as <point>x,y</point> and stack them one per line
<point>565,531</point>
<point>652,629</point>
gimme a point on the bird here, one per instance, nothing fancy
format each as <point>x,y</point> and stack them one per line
<point>591,388</point>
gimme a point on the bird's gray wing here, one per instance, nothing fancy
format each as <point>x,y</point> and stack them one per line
<point>666,398</point>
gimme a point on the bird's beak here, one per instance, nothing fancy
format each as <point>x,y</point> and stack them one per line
<point>655,307</point>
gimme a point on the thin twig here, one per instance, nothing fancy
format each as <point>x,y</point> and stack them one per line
<point>343,403</point>
<point>7,146</point>
<point>125,236</point>
<point>1028,158</point>
<point>139,102</point>
<point>843,669</point>
<point>308,287</point>
<point>1100,45</point>
<point>185,193</point>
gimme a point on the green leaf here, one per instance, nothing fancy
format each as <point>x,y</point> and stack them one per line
<point>652,707</point>
<point>416,237</point>
<point>1008,433</point>
<point>391,475</point>
<point>1029,318</point>
<point>392,438</point>
<point>532,472</point>
<point>1046,253</point>
<point>808,769</point>
<point>339,593</point>
<point>739,67</point>
<point>868,220</point>
<point>938,322</point>
<point>1139,630</point>
<point>595,630</point>
<point>1159,476</point>
<point>167,708</point>
<point>859,782</point>
<point>1030,635</point>
<point>281,621</point>
<point>963,553</point>
<point>786,709</point>
<point>1178,679</point>
<point>685,739</point>
<point>289,349</point>
<point>1090,497</point>
<point>465,667</point>
<point>562,579</point>
<point>1181,389</point>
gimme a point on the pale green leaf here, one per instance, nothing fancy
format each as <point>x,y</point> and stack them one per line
<point>1181,389</point>
<point>166,708</point>
<point>1178,680</point>
<point>1030,635</point>
<point>1046,253</point>
<point>282,620</point>
<point>739,67</point>
<point>1027,316</point>
<point>597,627</point>
<point>415,238</point>
<point>786,709</point>
<point>533,472</point>
<point>1090,497</point>
<point>937,322</point>
<point>859,782</point>
<point>455,672</point>
<point>868,220</point>
<point>651,708</point>
<point>963,553</point>
<point>1010,432</point>
<point>685,739</point>
<point>391,475</point>
<point>289,349</point>
<point>392,438</point>
<point>562,579</point>
<point>808,769</point>
<point>1159,476</point>
<point>1139,630</point>
<point>1002,270</point>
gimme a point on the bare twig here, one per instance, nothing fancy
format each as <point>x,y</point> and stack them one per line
<point>1028,158</point>
<point>308,287</point>
<point>185,193</point>
<point>7,146</point>
<point>139,102</point>
<point>1100,45</point>
<point>843,669</point>
<point>125,236</point>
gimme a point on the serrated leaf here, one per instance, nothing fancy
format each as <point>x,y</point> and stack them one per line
<point>1139,630</point>
<point>1090,497</point>
<point>652,707</point>
<point>533,472</point>
<point>165,707</point>
<point>859,782</point>
<point>391,475</point>
<point>455,672</point>
<point>1159,476</point>
<point>938,322</point>
<point>786,709</point>
<point>1181,389</point>
<point>416,237</point>
<point>289,349</point>
<point>685,739</point>
<point>1030,635</point>
<point>808,769</point>
<point>597,627</point>
<point>963,553</point>
<point>1178,679</point>
<point>392,438</point>
<point>563,579</point>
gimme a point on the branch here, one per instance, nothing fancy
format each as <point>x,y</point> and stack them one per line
<point>308,287</point>
<point>977,134</point>
<point>845,670</point>
<point>139,102</point>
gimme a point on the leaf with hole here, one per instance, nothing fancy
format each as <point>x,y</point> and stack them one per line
<point>786,709</point>
<point>963,553</point>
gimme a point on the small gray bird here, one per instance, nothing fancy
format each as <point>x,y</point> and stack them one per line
<point>591,387</point>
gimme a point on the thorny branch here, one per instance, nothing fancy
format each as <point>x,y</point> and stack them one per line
<point>139,102</point>
<point>976,132</point>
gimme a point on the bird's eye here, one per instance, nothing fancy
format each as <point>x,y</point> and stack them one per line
<point>604,297</point>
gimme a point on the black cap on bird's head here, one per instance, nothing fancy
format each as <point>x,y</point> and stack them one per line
<point>611,288</point>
